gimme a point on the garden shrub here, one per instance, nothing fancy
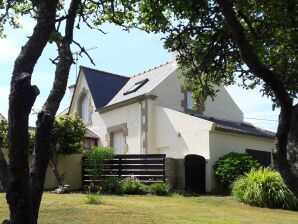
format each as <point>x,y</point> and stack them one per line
<point>132,185</point>
<point>96,159</point>
<point>264,188</point>
<point>109,185</point>
<point>162,189</point>
<point>233,165</point>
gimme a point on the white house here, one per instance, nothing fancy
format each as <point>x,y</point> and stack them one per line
<point>152,113</point>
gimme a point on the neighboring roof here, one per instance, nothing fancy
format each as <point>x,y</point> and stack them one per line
<point>2,117</point>
<point>90,134</point>
<point>155,76</point>
<point>63,112</point>
<point>103,85</point>
<point>238,127</point>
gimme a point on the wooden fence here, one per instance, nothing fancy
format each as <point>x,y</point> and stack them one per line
<point>148,168</point>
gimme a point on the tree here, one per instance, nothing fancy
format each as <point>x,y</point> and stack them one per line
<point>25,186</point>
<point>4,145</point>
<point>221,40</point>
<point>67,138</point>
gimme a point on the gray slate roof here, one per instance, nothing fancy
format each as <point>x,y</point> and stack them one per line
<point>155,76</point>
<point>90,134</point>
<point>103,85</point>
<point>238,127</point>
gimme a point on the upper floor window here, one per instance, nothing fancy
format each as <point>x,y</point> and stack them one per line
<point>136,86</point>
<point>190,100</point>
<point>84,108</point>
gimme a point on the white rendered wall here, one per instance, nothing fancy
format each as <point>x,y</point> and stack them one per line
<point>99,123</point>
<point>169,95</point>
<point>130,115</point>
<point>223,107</point>
<point>178,134</point>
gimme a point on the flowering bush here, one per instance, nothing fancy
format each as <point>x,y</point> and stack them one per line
<point>132,185</point>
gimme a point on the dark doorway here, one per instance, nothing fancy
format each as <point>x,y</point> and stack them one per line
<point>195,174</point>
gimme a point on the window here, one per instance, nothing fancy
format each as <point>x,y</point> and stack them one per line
<point>118,142</point>
<point>189,100</point>
<point>90,142</point>
<point>84,108</point>
<point>263,157</point>
<point>136,86</point>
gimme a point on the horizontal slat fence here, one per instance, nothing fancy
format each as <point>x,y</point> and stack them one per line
<point>148,168</point>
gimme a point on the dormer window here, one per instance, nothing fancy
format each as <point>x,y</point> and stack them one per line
<point>136,86</point>
<point>84,108</point>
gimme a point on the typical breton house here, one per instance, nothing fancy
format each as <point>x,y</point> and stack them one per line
<point>152,113</point>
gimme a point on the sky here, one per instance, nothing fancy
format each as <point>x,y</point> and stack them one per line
<point>120,52</point>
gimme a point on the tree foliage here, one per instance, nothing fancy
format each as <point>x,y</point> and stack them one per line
<point>208,52</point>
<point>3,133</point>
<point>68,133</point>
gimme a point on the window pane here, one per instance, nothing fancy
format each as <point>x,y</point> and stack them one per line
<point>85,109</point>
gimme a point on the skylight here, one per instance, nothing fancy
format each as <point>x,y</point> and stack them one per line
<point>136,86</point>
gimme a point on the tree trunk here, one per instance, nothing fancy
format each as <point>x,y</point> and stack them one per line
<point>3,169</point>
<point>46,116</point>
<point>287,164</point>
<point>21,99</point>
<point>54,166</point>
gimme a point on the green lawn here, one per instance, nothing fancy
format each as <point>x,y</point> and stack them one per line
<point>72,208</point>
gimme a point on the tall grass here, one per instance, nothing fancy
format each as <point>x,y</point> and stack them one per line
<point>264,188</point>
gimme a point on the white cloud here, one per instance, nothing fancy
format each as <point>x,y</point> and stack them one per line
<point>9,50</point>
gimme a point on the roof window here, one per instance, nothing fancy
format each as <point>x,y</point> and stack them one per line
<point>136,86</point>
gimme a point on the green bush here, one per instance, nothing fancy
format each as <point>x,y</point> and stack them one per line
<point>162,189</point>
<point>109,185</point>
<point>132,185</point>
<point>231,166</point>
<point>95,160</point>
<point>264,188</point>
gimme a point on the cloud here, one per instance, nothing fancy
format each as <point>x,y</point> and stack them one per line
<point>9,50</point>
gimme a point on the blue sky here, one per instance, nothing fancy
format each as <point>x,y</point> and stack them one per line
<point>118,52</point>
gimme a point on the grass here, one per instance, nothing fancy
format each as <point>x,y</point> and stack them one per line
<point>73,209</point>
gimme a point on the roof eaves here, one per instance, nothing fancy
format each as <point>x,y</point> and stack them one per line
<point>243,132</point>
<point>125,102</point>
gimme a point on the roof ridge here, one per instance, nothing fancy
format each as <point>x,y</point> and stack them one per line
<point>109,73</point>
<point>151,69</point>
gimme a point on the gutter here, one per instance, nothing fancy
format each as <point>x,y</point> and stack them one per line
<point>125,103</point>
<point>243,133</point>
